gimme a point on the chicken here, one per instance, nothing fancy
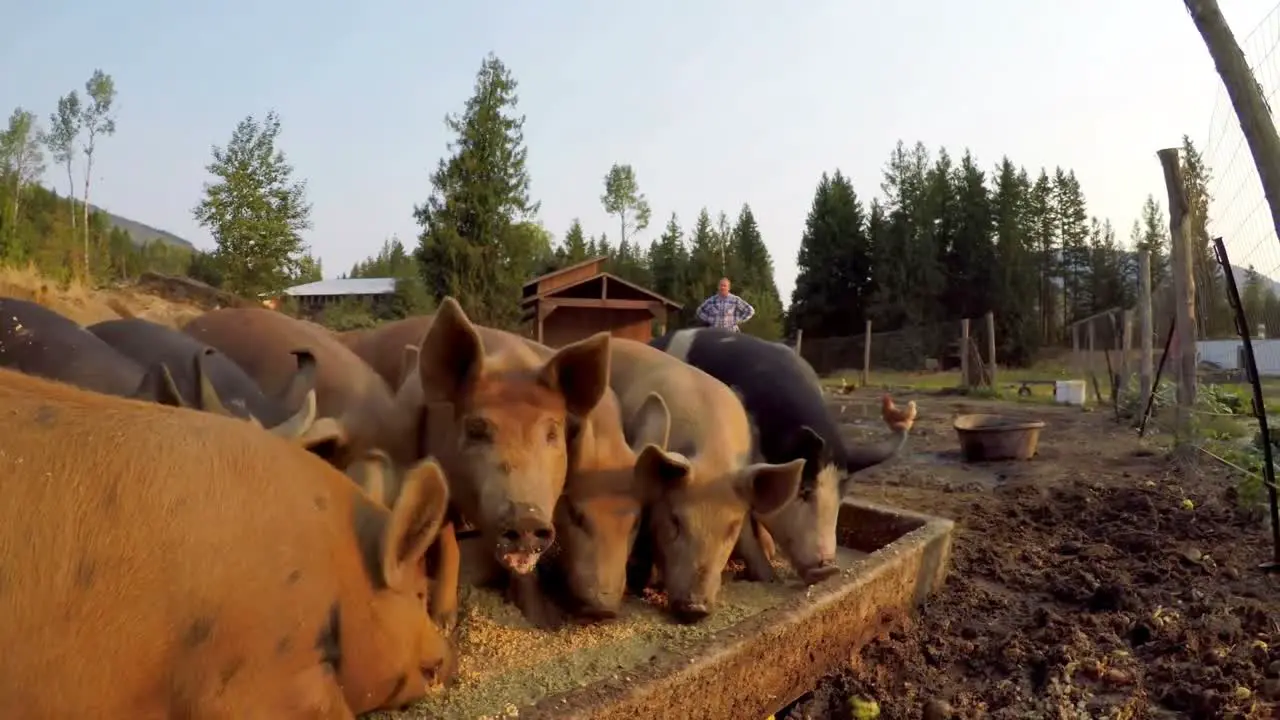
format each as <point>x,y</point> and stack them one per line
<point>896,418</point>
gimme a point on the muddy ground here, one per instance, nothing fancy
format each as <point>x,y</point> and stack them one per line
<point>1096,581</point>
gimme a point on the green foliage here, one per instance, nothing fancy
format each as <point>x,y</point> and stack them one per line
<point>255,210</point>
<point>393,261</point>
<point>622,197</point>
<point>467,246</point>
<point>573,249</point>
<point>751,271</point>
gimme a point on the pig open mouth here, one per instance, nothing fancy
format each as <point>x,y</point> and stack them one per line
<point>520,563</point>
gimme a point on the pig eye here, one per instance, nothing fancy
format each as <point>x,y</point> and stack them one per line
<point>478,430</point>
<point>805,494</point>
<point>677,527</point>
<point>553,434</point>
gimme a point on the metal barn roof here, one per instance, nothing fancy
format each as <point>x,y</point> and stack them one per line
<point>344,286</point>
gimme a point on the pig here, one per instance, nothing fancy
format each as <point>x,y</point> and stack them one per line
<point>783,399</point>
<point>497,421</point>
<point>137,586</point>
<point>261,341</point>
<point>148,343</point>
<point>596,516</point>
<point>707,482</point>
<point>383,347</point>
<point>38,341</point>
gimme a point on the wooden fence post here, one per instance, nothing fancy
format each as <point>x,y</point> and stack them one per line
<point>866,355</point>
<point>1126,347</point>
<point>1184,291</point>
<point>799,340</point>
<point>964,353</point>
<point>991,349</point>
<point>1146,330</point>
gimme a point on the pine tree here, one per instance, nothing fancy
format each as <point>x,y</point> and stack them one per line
<point>478,195</point>
<point>1073,234</point>
<point>753,280</point>
<point>832,287</point>
<point>704,266</point>
<point>1043,228</point>
<point>669,262</point>
<point>574,247</point>
<point>1253,297</point>
<point>1015,285</point>
<point>1151,234</point>
<point>1213,311</point>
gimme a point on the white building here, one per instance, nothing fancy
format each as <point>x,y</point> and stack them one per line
<point>1229,354</point>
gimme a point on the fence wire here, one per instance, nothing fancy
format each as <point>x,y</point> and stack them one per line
<point>1239,214</point>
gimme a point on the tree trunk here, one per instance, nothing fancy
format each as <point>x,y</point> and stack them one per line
<point>88,171</point>
<point>1246,97</point>
<point>71,194</point>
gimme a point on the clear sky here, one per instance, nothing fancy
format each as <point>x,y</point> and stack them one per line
<point>713,102</point>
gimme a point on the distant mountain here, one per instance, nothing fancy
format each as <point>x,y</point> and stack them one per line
<point>1242,273</point>
<point>142,233</point>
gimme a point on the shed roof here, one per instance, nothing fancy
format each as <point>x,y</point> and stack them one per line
<point>613,279</point>
<point>344,286</point>
<point>597,259</point>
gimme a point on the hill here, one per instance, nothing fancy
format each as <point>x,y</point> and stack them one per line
<point>141,233</point>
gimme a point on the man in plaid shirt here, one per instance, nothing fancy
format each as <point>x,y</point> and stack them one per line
<point>724,309</point>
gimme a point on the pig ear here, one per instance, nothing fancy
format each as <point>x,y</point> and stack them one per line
<point>660,470</point>
<point>158,386</point>
<point>451,357</point>
<point>579,372</point>
<point>767,488</point>
<point>651,424</point>
<point>370,473</point>
<point>408,363</point>
<point>325,438</point>
<point>415,521</point>
<point>807,444</point>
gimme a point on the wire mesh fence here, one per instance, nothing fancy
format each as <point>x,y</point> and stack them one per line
<point>932,349</point>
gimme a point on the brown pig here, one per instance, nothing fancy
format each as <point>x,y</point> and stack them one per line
<point>596,516</point>
<point>261,342</point>
<point>383,347</point>
<point>707,484</point>
<point>503,442</point>
<point>160,562</point>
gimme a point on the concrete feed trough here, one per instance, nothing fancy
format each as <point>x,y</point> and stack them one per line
<point>996,437</point>
<point>765,646</point>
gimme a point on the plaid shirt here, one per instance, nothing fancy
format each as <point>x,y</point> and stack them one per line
<point>725,311</point>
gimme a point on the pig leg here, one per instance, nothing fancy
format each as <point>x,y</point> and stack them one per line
<point>751,548</point>
<point>445,560</point>
<point>525,591</point>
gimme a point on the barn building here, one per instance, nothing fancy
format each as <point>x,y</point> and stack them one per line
<point>580,300</point>
<point>314,297</point>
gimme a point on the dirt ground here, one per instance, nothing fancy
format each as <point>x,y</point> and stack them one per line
<point>89,305</point>
<point>1095,581</point>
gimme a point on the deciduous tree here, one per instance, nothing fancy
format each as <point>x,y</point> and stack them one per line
<point>97,121</point>
<point>255,209</point>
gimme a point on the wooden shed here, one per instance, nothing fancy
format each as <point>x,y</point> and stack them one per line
<point>578,301</point>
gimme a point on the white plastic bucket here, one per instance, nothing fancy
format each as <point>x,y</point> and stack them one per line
<point>1069,392</point>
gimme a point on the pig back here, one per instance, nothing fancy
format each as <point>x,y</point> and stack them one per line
<point>126,556</point>
<point>37,341</point>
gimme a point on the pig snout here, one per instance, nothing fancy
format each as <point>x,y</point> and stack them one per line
<point>595,611</point>
<point>522,538</point>
<point>691,611</point>
<point>817,573</point>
